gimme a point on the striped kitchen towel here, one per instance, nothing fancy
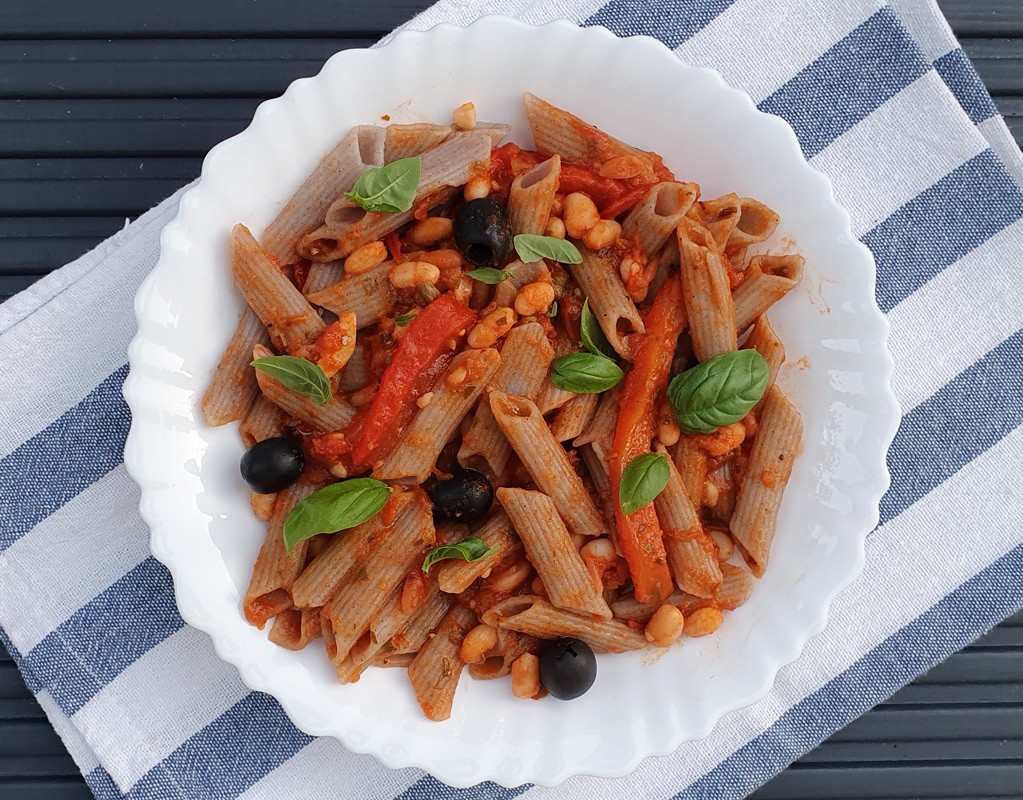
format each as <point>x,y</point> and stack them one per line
<point>886,104</point>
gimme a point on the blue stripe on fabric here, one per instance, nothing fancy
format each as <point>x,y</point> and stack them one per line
<point>63,459</point>
<point>241,746</point>
<point>961,77</point>
<point>102,785</point>
<point>98,641</point>
<point>976,409</point>
<point>429,788</point>
<point>855,76</point>
<point>953,622</point>
<point>941,225</point>
<point>671,21</point>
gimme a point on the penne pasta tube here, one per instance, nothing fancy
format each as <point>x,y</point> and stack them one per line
<point>601,427</point>
<point>394,660</point>
<point>413,636</point>
<point>551,551</point>
<point>333,416</point>
<point>610,303</point>
<point>526,356</point>
<point>532,196</point>
<point>765,341</point>
<point>405,141</point>
<point>706,291</point>
<point>497,663</point>
<point>596,467</point>
<point>737,584</point>
<point>289,319</point>
<point>574,417</point>
<point>537,617</point>
<point>692,464</point>
<point>294,628</point>
<point>233,389</point>
<point>628,608</point>
<point>435,670</point>
<point>264,420</point>
<point>547,463</point>
<point>452,398</point>
<point>775,447</point>
<point>361,149</point>
<point>455,576</point>
<point>756,222</point>
<point>767,279</point>
<point>370,296</point>
<point>718,216</point>
<point>358,600</point>
<point>652,223</point>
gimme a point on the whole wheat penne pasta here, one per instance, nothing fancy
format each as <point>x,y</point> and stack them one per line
<point>756,223</point>
<point>347,226</point>
<point>550,396</point>
<point>361,149</point>
<point>322,275</point>
<point>275,570</point>
<point>394,660</point>
<point>264,420</point>
<point>724,480</point>
<point>770,463</point>
<point>615,312</point>
<point>596,467</point>
<point>333,416</point>
<point>532,196</point>
<point>718,216</point>
<point>552,552</point>
<point>414,633</point>
<point>537,617</point>
<point>765,341</point>
<point>706,292</point>
<point>692,554</point>
<point>574,417</point>
<point>350,669</point>
<point>289,319</point>
<point>601,427</point>
<point>652,223</point>
<point>767,279</point>
<point>545,460</point>
<point>628,608</point>
<point>435,670</point>
<point>233,388</point>
<point>691,462</point>
<point>456,576</point>
<point>356,373</point>
<point>405,141</point>
<point>497,663</point>
<point>519,274</point>
<point>526,356</point>
<point>344,554</point>
<point>737,584</point>
<point>294,628</point>
<point>358,601</point>
<point>369,296</point>
<point>452,398</point>
<point>417,633</point>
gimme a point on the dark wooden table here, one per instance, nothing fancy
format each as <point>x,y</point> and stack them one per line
<point>106,107</point>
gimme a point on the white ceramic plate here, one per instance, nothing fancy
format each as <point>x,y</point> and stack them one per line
<point>838,375</point>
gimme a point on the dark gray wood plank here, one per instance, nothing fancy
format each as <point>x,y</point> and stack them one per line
<point>37,245</point>
<point>50,789</point>
<point>984,17</point>
<point>906,781</point>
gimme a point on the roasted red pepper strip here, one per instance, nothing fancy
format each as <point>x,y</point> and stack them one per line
<point>602,191</point>
<point>626,202</point>
<point>423,342</point>
<point>639,534</point>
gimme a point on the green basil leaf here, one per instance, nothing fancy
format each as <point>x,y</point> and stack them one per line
<point>297,374</point>
<point>718,392</point>
<point>552,312</point>
<point>403,319</point>
<point>335,508</point>
<point>471,549</point>
<point>530,247</point>
<point>642,480</point>
<point>488,275</point>
<point>593,337</point>
<point>585,373</point>
<point>390,188</point>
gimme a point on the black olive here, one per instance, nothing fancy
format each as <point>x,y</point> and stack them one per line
<point>273,464</point>
<point>483,232</point>
<point>568,668</point>
<point>464,497</point>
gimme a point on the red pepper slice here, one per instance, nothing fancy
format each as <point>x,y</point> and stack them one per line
<point>419,348</point>
<point>639,534</point>
<point>602,191</point>
<point>626,202</point>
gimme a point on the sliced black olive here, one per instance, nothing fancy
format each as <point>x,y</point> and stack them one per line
<point>568,668</point>
<point>273,464</point>
<point>464,497</point>
<point>483,232</point>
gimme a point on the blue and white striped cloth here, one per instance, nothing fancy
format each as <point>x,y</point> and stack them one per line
<point>886,104</point>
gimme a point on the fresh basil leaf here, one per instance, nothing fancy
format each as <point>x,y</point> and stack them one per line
<point>488,275</point>
<point>390,188</point>
<point>552,312</point>
<point>471,549</point>
<point>403,319</point>
<point>642,480</point>
<point>593,337</point>
<point>718,392</point>
<point>297,374</point>
<point>335,508</point>
<point>530,247</point>
<point>585,373</point>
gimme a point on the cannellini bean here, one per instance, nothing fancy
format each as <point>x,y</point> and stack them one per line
<point>477,187</point>
<point>580,214</point>
<point>492,327</point>
<point>510,578</point>
<point>262,505</point>
<point>723,439</point>
<point>667,428</point>
<point>364,396</point>
<point>410,274</point>
<point>336,344</point>
<point>525,675</point>
<point>710,494</point>
<point>598,555</point>
<point>665,626</point>
<point>429,231</point>
<point>425,400</point>
<point>456,377</point>
<point>555,227</point>
<point>622,167</point>
<point>339,471</point>
<point>604,234</point>
<point>724,544</point>
<point>477,643</point>
<point>464,116</point>
<point>703,621</point>
<point>364,258</point>
<point>534,298</point>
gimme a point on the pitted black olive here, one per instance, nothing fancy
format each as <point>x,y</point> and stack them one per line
<point>483,232</point>
<point>464,497</point>
<point>273,464</point>
<point>568,668</point>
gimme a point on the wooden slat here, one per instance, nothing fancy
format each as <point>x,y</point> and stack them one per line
<point>984,17</point>
<point>37,245</point>
<point>50,789</point>
<point>999,63</point>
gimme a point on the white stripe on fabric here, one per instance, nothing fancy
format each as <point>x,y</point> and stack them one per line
<point>304,775</point>
<point>767,59</point>
<point>930,30</point>
<point>951,299</point>
<point>175,689</point>
<point>921,542</point>
<point>932,136</point>
<point>999,136</point>
<point>79,750</point>
<point>78,551</point>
